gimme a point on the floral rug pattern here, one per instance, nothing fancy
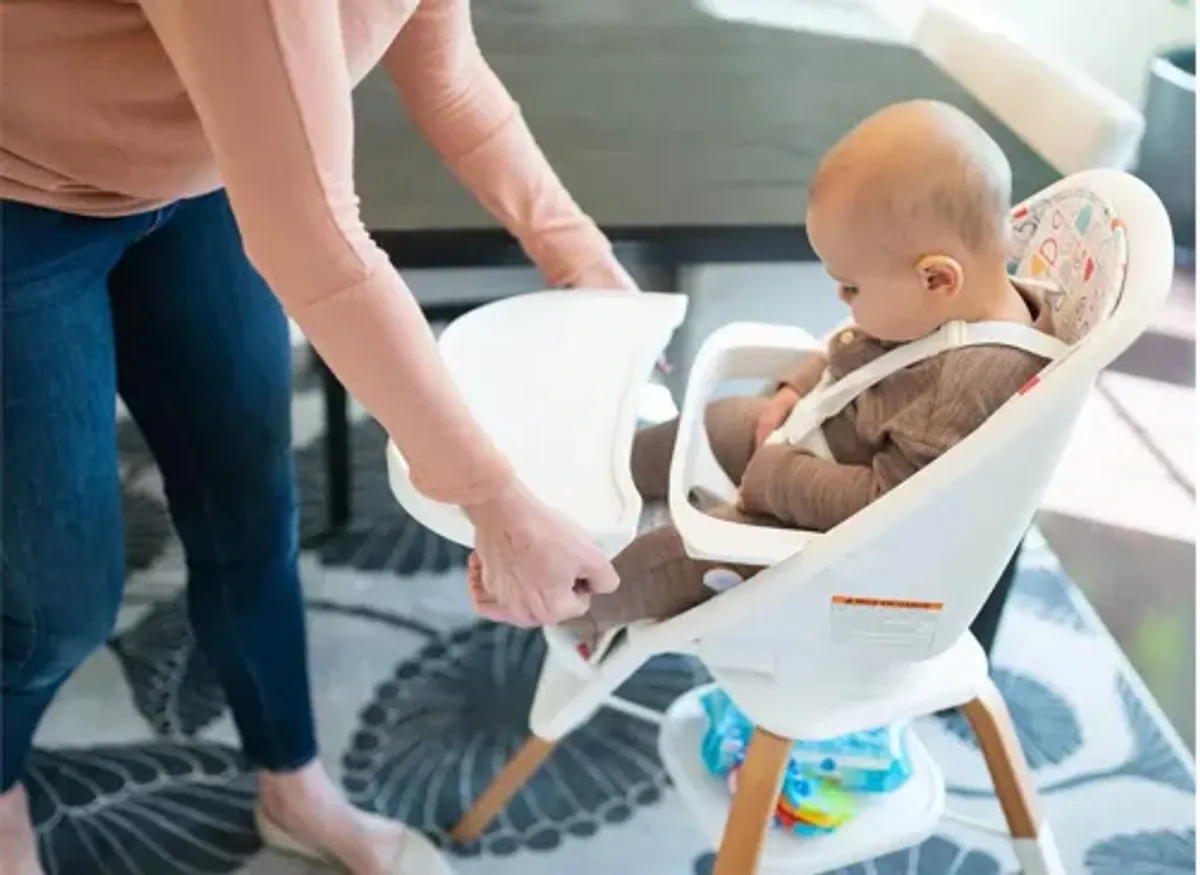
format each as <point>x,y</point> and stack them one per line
<point>419,704</point>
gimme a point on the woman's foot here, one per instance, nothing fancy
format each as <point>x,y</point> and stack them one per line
<point>317,819</point>
<point>18,847</point>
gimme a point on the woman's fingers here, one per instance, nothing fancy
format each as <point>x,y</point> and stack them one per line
<point>496,614</point>
<point>490,609</point>
<point>533,608</point>
<point>564,604</point>
<point>536,566</point>
<point>482,601</point>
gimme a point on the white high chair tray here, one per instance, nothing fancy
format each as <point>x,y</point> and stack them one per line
<point>555,378</point>
<point>884,823</point>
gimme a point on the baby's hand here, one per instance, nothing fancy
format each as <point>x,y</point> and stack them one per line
<point>774,413</point>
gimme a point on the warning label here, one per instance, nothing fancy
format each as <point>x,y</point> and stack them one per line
<point>884,622</point>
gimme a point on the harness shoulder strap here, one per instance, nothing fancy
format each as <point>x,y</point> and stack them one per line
<point>1016,335</point>
<point>952,335</point>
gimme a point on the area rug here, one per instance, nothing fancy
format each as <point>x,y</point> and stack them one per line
<point>137,770</point>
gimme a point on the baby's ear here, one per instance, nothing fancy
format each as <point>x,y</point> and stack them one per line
<point>941,275</point>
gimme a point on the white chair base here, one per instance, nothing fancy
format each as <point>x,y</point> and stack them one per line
<point>845,699</point>
<point>740,829</point>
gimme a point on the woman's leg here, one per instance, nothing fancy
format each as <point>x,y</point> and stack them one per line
<point>61,541</point>
<point>204,366</point>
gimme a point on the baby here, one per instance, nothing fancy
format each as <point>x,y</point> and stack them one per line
<point>909,213</point>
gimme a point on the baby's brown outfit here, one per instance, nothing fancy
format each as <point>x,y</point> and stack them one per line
<point>887,434</point>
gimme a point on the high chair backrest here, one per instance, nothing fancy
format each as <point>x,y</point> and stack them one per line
<point>902,580</point>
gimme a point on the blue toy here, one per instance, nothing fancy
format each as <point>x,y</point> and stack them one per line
<point>820,775</point>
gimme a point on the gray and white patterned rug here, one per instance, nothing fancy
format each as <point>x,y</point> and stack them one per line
<point>137,771</point>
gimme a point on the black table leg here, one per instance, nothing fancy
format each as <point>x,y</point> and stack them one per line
<point>337,448</point>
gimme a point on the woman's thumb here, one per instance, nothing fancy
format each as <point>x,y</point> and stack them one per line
<point>599,576</point>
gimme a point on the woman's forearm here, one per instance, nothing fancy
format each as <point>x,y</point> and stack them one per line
<point>269,81</point>
<point>465,112</point>
<point>376,339</point>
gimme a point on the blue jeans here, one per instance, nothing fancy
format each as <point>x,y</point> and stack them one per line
<point>165,309</point>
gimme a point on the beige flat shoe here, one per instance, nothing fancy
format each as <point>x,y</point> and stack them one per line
<point>418,856</point>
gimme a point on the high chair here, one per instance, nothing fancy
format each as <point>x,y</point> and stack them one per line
<point>859,627</point>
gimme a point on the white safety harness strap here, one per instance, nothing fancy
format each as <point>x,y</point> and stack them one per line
<point>829,398</point>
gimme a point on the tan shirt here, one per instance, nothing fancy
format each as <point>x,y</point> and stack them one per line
<point>891,430</point>
<point>114,107</point>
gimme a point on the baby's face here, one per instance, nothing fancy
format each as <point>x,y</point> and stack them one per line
<point>888,298</point>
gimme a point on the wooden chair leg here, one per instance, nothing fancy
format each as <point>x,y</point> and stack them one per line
<point>512,778</point>
<point>1034,844</point>
<point>759,783</point>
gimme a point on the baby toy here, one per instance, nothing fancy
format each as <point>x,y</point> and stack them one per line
<point>821,777</point>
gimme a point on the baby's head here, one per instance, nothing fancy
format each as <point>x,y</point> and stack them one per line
<point>909,213</point>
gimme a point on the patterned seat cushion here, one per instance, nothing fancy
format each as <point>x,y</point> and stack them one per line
<point>1072,245</point>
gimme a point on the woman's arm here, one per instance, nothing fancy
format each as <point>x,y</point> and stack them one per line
<point>268,79</point>
<point>465,112</point>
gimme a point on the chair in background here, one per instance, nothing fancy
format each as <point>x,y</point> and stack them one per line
<point>1073,121</point>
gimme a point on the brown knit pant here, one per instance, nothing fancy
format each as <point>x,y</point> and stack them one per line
<point>658,578</point>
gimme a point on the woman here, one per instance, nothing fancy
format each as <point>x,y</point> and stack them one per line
<point>143,145</point>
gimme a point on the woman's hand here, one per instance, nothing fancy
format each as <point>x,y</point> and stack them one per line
<point>608,273</point>
<point>773,415</point>
<point>533,566</point>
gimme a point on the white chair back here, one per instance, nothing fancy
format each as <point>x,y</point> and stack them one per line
<point>1072,120</point>
<point>901,581</point>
